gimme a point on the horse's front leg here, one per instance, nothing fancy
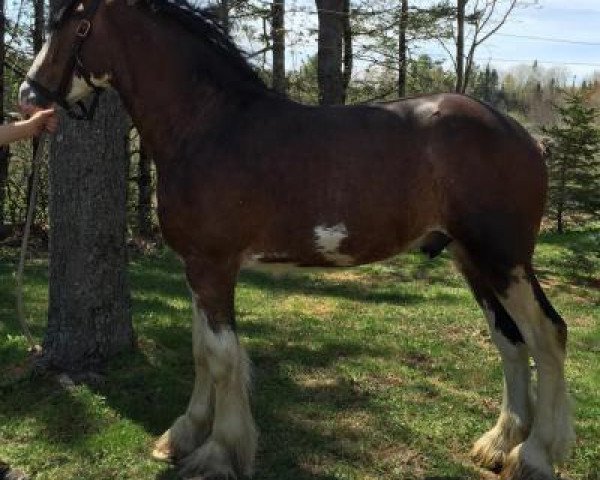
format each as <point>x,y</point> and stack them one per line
<point>193,427</point>
<point>217,434</point>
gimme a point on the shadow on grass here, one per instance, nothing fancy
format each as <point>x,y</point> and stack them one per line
<point>153,388</point>
<point>339,289</point>
<point>61,414</point>
<point>154,397</point>
<point>298,440</point>
<point>164,275</point>
<point>579,263</point>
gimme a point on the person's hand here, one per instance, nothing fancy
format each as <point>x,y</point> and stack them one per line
<point>42,120</point>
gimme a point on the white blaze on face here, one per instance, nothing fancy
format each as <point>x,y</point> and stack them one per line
<point>79,87</point>
<point>39,59</point>
<point>328,241</point>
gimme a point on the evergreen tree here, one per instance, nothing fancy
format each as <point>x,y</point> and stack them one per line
<point>573,162</point>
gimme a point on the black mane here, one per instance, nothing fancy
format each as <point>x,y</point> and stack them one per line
<point>203,23</point>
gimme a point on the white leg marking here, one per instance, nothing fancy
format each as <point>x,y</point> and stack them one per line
<point>233,426</point>
<point>517,375</point>
<point>328,240</point>
<point>515,418</point>
<point>192,428</point>
<point>552,432</point>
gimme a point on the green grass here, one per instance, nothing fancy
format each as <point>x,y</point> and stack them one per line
<point>385,371</point>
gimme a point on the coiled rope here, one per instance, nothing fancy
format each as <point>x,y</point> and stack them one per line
<point>35,169</point>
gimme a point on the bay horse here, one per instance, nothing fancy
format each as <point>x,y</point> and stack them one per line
<point>248,177</point>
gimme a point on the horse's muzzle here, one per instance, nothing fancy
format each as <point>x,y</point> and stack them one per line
<point>28,95</point>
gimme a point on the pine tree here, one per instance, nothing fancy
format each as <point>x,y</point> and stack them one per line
<point>573,162</point>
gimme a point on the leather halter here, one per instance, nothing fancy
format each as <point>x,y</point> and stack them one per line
<point>74,66</point>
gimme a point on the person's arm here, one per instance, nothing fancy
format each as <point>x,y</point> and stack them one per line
<point>33,126</point>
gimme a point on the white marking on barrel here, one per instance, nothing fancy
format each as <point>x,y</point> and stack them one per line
<point>328,241</point>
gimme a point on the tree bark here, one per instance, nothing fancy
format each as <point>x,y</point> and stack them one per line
<point>224,15</point>
<point>89,316</point>
<point>278,36</point>
<point>460,44</point>
<point>38,25</point>
<point>330,54</point>
<point>144,194</point>
<point>402,49</point>
<point>561,196</point>
<point>4,150</point>
<point>348,50</point>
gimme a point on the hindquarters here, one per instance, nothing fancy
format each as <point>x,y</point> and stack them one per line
<point>492,183</point>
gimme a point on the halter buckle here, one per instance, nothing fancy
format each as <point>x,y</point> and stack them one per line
<point>83,29</point>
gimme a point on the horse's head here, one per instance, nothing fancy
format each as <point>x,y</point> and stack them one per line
<point>72,63</point>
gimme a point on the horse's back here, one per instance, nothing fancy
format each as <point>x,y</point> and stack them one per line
<point>370,180</point>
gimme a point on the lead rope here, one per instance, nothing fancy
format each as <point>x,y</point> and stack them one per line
<point>35,167</point>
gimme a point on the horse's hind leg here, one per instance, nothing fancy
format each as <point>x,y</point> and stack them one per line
<point>545,333</point>
<point>230,447</point>
<point>503,257</point>
<point>513,425</point>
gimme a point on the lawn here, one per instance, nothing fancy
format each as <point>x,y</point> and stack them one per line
<point>380,372</point>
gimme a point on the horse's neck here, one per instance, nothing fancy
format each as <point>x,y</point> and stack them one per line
<point>166,102</point>
<point>165,116</point>
<point>166,121</point>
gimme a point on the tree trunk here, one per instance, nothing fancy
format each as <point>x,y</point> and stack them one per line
<point>559,222</point>
<point>4,150</point>
<point>38,25</point>
<point>89,316</point>
<point>330,54</point>
<point>460,44</point>
<point>144,194</point>
<point>224,15</point>
<point>561,196</point>
<point>348,50</point>
<point>4,160</point>
<point>402,49</point>
<point>468,68</point>
<point>278,35</point>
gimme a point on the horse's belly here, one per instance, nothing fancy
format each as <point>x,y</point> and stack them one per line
<point>322,246</point>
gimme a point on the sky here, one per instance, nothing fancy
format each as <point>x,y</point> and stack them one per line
<point>574,26</point>
<point>565,21</point>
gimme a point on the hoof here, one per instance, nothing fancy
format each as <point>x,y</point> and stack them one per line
<point>211,461</point>
<point>524,463</point>
<point>491,450</point>
<point>487,457</point>
<point>163,449</point>
<point>179,441</point>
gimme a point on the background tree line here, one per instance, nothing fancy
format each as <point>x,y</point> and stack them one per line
<point>98,186</point>
<point>351,52</point>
